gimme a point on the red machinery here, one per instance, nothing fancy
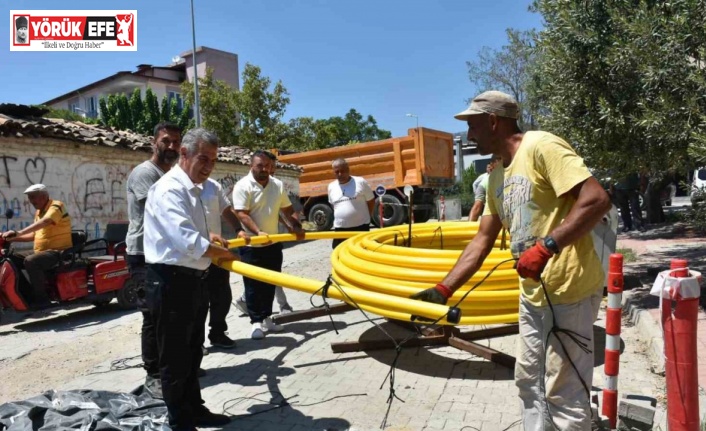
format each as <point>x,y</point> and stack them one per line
<point>92,271</point>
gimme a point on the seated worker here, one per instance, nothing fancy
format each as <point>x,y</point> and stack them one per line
<point>51,233</point>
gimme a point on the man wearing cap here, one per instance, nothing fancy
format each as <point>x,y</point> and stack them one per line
<point>51,233</point>
<point>21,25</point>
<point>547,198</point>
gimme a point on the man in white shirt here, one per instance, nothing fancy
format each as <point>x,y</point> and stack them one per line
<point>352,200</point>
<point>220,296</point>
<point>178,251</point>
<point>258,199</point>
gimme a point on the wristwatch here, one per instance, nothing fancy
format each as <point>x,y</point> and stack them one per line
<point>551,245</point>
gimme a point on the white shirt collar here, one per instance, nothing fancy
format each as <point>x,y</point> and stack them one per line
<point>183,179</point>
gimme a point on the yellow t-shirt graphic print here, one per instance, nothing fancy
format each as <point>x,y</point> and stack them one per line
<point>530,197</point>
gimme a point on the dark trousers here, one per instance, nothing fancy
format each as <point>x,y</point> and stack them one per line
<point>219,299</point>
<point>361,228</point>
<point>258,294</point>
<point>178,302</point>
<point>150,354</point>
<point>630,211</point>
<point>37,264</point>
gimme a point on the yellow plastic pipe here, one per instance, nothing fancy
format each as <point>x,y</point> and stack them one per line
<point>379,276</point>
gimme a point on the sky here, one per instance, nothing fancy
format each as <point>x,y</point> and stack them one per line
<point>385,58</point>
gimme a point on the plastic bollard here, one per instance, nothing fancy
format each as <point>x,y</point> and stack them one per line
<point>681,361</point>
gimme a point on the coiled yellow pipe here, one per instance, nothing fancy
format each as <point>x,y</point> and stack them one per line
<point>379,276</point>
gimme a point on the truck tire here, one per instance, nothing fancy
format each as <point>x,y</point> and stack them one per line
<point>422,216</point>
<point>394,212</point>
<point>322,216</point>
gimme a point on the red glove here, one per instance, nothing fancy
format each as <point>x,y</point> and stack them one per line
<point>533,261</point>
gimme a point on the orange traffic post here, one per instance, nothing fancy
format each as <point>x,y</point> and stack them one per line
<point>680,351</point>
<point>612,343</point>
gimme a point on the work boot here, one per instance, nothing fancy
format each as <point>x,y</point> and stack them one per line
<point>285,309</point>
<point>221,340</point>
<point>269,326</point>
<point>153,386</point>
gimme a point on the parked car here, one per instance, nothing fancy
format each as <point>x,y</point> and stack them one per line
<point>698,186</point>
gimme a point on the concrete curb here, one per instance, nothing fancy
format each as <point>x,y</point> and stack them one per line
<point>649,330</point>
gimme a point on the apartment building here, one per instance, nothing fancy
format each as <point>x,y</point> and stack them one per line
<point>165,81</point>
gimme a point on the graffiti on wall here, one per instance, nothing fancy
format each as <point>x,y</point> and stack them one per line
<point>93,191</point>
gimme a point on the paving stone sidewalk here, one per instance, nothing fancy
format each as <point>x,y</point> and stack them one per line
<point>292,381</point>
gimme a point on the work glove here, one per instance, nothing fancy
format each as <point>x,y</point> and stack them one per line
<point>438,294</point>
<point>533,261</point>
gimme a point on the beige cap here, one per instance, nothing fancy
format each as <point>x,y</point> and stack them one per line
<point>36,188</point>
<point>491,102</point>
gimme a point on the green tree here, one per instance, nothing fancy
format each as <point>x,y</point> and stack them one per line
<point>624,81</point>
<point>151,110</point>
<point>137,111</point>
<point>509,69</point>
<point>352,128</point>
<point>217,105</point>
<point>260,109</point>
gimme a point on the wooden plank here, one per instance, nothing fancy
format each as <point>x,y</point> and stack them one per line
<point>484,352</point>
<point>358,346</point>
<point>311,313</point>
<point>481,334</point>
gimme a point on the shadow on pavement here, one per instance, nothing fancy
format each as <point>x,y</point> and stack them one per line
<point>268,407</point>
<point>68,320</point>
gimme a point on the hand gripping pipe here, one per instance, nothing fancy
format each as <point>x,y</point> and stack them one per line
<point>612,342</point>
<point>680,352</point>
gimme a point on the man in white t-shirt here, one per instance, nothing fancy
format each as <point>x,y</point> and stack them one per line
<point>352,200</point>
<point>258,199</point>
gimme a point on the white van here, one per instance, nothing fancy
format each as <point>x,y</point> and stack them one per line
<point>698,186</point>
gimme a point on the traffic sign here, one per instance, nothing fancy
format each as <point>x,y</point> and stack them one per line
<point>380,190</point>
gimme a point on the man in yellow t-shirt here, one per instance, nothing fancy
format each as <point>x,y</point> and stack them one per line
<point>51,233</point>
<point>546,197</point>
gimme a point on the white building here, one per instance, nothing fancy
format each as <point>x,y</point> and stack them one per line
<point>165,81</point>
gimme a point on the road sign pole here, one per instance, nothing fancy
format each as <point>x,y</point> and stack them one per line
<point>380,191</point>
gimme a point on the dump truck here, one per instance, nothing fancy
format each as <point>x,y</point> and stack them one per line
<point>424,160</point>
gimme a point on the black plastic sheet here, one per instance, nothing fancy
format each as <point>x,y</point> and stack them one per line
<point>85,410</point>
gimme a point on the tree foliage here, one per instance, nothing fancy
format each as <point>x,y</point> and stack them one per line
<point>625,80</point>
<point>252,117</point>
<point>123,113</point>
<point>217,106</point>
<point>509,70</point>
